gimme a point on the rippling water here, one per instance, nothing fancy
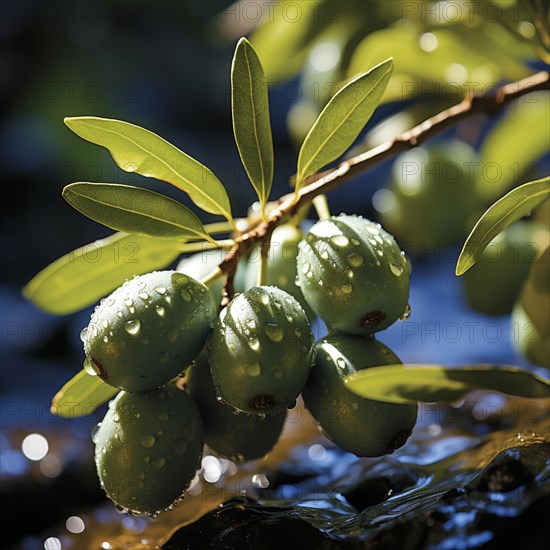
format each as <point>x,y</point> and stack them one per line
<point>473,475</point>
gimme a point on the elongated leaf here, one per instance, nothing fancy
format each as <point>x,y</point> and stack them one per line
<point>251,124</point>
<point>81,396</point>
<point>135,149</point>
<point>341,121</point>
<point>510,208</point>
<point>433,383</point>
<point>134,210</point>
<point>83,276</point>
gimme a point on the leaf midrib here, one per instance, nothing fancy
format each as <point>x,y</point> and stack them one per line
<point>255,125</point>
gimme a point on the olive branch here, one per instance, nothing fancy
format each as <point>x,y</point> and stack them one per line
<point>490,104</point>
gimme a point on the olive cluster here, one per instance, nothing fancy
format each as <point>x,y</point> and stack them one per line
<point>245,366</point>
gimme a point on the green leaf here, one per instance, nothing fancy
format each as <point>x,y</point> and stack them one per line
<point>81,396</point>
<point>83,276</point>
<point>515,143</point>
<point>137,150</point>
<point>341,121</point>
<point>510,208</point>
<point>283,42</point>
<point>251,124</point>
<point>134,210</point>
<point>433,383</point>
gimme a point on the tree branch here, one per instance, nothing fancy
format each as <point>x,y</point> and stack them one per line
<point>489,104</point>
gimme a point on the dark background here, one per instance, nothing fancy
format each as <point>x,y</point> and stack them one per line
<point>159,65</point>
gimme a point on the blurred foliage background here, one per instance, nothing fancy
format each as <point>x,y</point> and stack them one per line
<point>165,65</point>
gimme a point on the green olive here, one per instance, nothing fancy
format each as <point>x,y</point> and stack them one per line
<point>358,425</point>
<point>149,329</point>
<point>261,351</point>
<point>530,318</point>
<point>148,448</point>
<point>353,274</point>
<point>434,197</point>
<point>231,434</point>
<point>493,284</point>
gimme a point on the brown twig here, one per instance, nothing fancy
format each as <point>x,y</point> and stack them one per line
<point>489,104</point>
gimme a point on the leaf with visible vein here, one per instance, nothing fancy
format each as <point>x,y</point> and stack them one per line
<point>435,383</point>
<point>81,396</point>
<point>83,276</point>
<point>134,210</point>
<point>251,123</point>
<point>510,208</point>
<point>342,120</point>
<point>137,150</point>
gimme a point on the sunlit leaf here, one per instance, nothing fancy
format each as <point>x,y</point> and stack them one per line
<point>424,68</point>
<point>342,120</point>
<point>251,123</point>
<point>435,383</point>
<point>83,276</point>
<point>510,208</point>
<point>134,210</point>
<point>81,396</point>
<point>515,142</point>
<point>283,39</point>
<point>137,150</point>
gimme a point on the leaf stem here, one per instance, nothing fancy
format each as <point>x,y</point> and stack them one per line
<point>200,246</point>
<point>218,227</point>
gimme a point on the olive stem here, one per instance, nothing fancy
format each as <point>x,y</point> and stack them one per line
<point>264,260</point>
<point>322,208</point>
<point>212,277</point>
<point>489,104</point>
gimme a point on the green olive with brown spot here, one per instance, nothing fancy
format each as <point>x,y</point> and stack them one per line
<point>148,330</point>
<point>148,448</point>
<point>358,425</point>
<point>261,351</point>
<point>353,274</point>
<point>228,432</point>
